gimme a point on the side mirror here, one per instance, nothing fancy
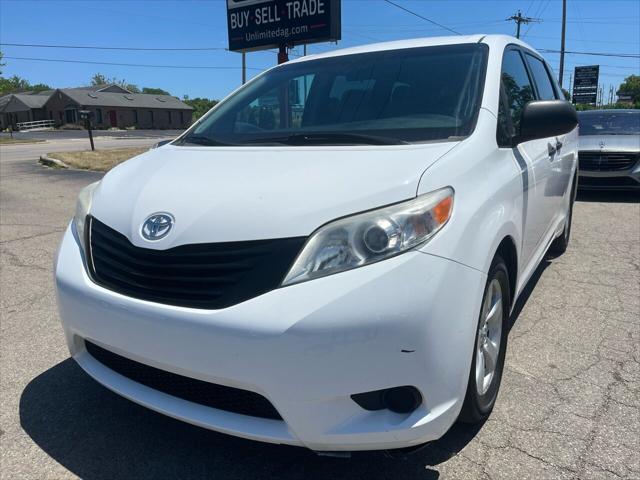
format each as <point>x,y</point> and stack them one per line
<point>546,118</point>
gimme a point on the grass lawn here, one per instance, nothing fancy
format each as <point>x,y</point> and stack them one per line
<point>16,141</point>
<point>101,160</point>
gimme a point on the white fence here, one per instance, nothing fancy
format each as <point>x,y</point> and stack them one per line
<point>37,125</point>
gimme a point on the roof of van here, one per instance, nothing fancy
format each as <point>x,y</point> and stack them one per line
<point>496,41</point>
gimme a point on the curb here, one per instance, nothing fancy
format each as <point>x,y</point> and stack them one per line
<point>52,162</point>
<point>26,142</point>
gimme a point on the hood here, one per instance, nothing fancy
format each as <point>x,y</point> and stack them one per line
<point>610,143</point>
<point>219,194</point>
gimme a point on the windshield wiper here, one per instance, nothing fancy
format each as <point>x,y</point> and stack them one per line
<point>202,140</point>
<point>330,138</point>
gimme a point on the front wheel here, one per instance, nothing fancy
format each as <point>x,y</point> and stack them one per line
<point>490,346</point>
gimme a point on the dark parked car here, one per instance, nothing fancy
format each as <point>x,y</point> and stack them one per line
<point>609,150</point>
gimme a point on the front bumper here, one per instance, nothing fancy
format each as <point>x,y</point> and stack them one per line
<point>409,320</point>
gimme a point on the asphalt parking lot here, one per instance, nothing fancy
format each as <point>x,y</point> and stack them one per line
<point>568,406</point>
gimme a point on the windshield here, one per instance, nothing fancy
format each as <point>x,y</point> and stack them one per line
<point>396,96</point>
<point>610,123</point>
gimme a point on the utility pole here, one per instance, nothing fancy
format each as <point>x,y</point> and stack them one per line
<point>601,95</point>
<point>562,40</point>
<point>519,19</point>
<point>244,68</point>
<point>570,86</point>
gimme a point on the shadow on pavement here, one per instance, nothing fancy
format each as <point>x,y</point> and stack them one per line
<point>96,434</point>
<point>608,196</point>
<point>528,289</point>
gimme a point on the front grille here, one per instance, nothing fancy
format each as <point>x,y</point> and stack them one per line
<point>197,391</point>
<point>211,276</point>
<point>608,182</point>
<point>607,161</point>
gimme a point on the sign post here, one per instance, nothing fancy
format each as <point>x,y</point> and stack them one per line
<point>86,116</point>
<point>263,24</point>
<point>283,55</point>
<point>585,84</point>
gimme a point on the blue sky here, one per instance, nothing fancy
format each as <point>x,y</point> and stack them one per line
<point>597,26</point>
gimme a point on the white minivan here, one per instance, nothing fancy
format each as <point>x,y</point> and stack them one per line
<point>330,256</point>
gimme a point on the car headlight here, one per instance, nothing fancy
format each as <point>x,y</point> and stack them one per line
<point>83,206</point>
<point>372,236</point>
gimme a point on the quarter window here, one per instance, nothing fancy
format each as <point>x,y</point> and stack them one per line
<point>541,77</point>
<point>517,86</point>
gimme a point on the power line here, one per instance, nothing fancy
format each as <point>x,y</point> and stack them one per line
<point>603,20</point>
<point>598,54</point>
<point>132,64</point>
<point>530,5</point>
<point>397,26</point>
<point>422,17</point>
<point>96,47</point>
<point>590,40</point>
<point>539,12</point>
<point>578,64</point>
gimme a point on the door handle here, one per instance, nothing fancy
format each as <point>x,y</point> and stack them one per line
<point>552,150</point>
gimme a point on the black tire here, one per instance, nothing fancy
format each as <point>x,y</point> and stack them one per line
<point>477,407</point>
<point>560,244</point>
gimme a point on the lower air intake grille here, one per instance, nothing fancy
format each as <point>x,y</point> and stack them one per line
<point>204,275</point>
<point>197,391</point>
<point>608,182</point>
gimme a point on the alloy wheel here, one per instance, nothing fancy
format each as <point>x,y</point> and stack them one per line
<point>489,337</point>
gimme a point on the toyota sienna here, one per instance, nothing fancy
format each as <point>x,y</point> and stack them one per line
<point>329,257</point>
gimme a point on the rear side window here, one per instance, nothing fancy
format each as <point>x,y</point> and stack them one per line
<point>542,79</point>
<point>516,92</point>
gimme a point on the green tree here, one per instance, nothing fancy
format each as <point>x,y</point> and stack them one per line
<point>16,84</point>
<point>581,107</point>
<point>200,105</point>
<point>101,79</point>
<point>154,91</point>
<point>39,87</point>
<point>1,64</point>
<point>631,86</point>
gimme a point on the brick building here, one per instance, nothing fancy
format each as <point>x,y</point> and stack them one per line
<point>111,105</point>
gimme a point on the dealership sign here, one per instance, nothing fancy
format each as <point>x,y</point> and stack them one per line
<point>585,84</point>
<point>260,24</point>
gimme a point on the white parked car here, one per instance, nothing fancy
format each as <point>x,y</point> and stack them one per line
<point>330,256</point>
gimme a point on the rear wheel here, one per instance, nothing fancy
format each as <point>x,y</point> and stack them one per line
<point>490,346</point>
<point>560,244</point>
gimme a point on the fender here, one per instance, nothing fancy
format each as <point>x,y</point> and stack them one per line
<point>488,202</point>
